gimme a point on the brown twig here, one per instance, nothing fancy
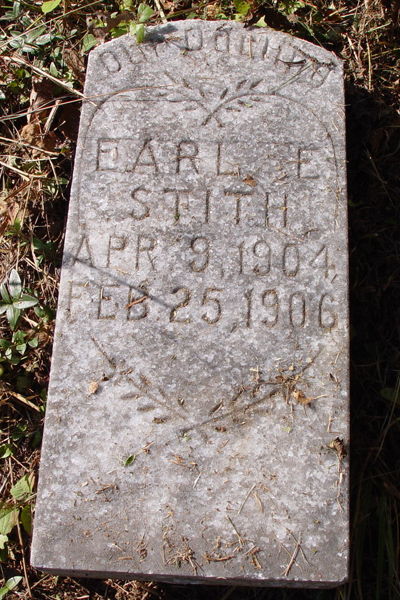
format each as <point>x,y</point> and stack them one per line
<point>21,542</point>
<point>39,71</point>
<point>292,560</point>
<point>246,498</point>
<point>160,11</point>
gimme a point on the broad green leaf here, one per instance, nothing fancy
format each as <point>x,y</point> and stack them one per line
<point>261,22</point>
<point>145,13</point>
<point>26,519</point>
<point>31,36</point>
<point>128,461</point>
<point>3,308</point>
<point>34,342</point>
<point>126,5</point>
<point>3,541</point>
<point>13,316</point>
<point>10,585</point>
<point>14,284</point>
<point>25,301</point>
<point>140,33</point>
<point>21,348</point>
<point>120,29</point>
<point>6,450</point>
<point>288,7</point>
<point>50,5</point>
<point>45,313</point>
<point>4,293</point>
<point>242,7</point>
<point>44,39</point>
<point>4,344</point>
<point>23,488</point>
<point>8,519</point>
<point>13,14</point>
<point>53,70</point>
<point>88,42</point>
<point>18,336</point>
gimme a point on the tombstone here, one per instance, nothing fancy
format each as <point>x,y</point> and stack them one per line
<point>197,420</point>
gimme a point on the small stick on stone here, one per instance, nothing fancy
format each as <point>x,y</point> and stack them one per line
<point>240,539</point>
<point>292,560</point>
<point>137,301</point>
<point>301,549</point>
<point>210,558</point>
<point>330,421</point>
<point>253,555</point>
<point>246,498</point>
<point>196,480</point>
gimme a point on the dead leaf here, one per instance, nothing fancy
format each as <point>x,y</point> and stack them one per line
<point>338,446</point>
<point>75,63</point>
<point>33,134</point>
<point>249,180</point>
<point>301,398</point>
<point>93,387</point>
<point>42,94</point>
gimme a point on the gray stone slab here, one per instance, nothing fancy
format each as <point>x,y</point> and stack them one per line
<point>198,406</point>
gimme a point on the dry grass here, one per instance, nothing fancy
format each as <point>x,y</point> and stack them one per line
<point>38,120</point>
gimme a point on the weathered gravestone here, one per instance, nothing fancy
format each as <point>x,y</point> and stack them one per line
<point>198,405</point>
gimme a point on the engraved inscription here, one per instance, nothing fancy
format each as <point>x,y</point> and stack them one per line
<point>115,243</point>
<point>276,210</point>
<point>192,156</point>
<point>297,309</point>
<point>321,260</point>
<point>183,305</point>
<point>222,41</point>
<point>186,153</point>
<point>259,250</point>
<point>286,58</point>
<point>141,208</point>
<point>145,160</point>
<point>202,315</point>
<point>263,257</point>
<point>327,317</point>
<point>106,306</point>
<point>290,260</point>
<point>83,253</point>
<point>144,248</point>
<point>306,164</point>
<point>110,62</point>
<point>210,297</point>
<point>172,194</point>
<point>193,39</point>
<point>138,306</point>
<point>262,250</point>
<point>107,154</point>
<point>270,302</point>
<point>201,247</point>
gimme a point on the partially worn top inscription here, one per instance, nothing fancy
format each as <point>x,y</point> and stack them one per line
<point>198,419</point>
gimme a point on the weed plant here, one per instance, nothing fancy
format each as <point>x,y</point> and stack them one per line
<point>43,49</point>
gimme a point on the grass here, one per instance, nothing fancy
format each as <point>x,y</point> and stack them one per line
<point>42,59</point>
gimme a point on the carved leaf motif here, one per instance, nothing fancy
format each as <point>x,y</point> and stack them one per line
<point>210,100</point>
